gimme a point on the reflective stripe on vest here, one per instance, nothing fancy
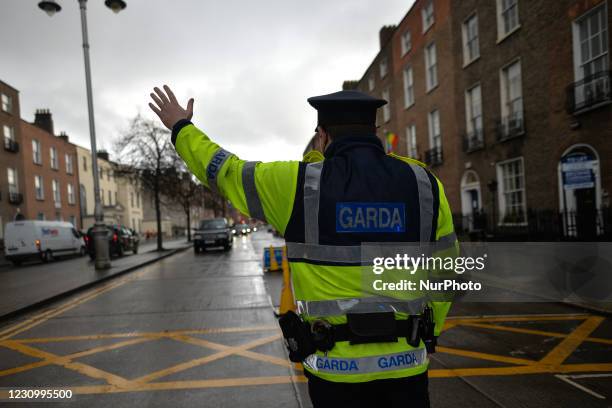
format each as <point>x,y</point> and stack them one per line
<point>364,365</point>
<point>250,191</point>
<point>312,194</point>
<point>373,304</point>
<point>426,202</point>
<point>214,166</point>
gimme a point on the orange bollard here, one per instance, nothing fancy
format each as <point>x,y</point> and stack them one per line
<point>287,302</point>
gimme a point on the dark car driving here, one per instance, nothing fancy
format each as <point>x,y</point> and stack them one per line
<point>213,233</point>
<point>120,240</point>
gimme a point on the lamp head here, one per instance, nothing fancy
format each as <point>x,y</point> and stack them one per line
<point>49,7</point>
<point>115,5</point>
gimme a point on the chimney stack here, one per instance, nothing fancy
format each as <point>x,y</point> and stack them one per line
<point>385,34</point>
<point>63,136</point>
<point>44,120</point>
<point>103,154</point>
<point>349,85</point>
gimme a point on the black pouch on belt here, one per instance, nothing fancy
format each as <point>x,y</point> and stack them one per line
<point>297,337</point>
<point>372,327</point>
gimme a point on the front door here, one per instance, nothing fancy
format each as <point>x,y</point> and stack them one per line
<point>586,214</point>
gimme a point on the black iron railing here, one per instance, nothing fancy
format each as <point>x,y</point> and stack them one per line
<point>589,92</point>
<point>433,157</point>
<point>540,225</point>
<point>473,140</point>
<point>15,198</point>
<point>10,145</point>
<point>510,127</point>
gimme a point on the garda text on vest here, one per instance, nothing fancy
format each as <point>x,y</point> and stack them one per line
<point>370,217</point>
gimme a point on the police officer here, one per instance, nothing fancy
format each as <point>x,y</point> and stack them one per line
<point>356,350</point>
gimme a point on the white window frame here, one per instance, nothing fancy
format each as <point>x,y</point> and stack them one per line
<point>36,151</point>
<point>8,132</point>
<point>53,158</point>
<point>7,103</point>
<point>11,173</point>
<point>502,33</point>
<point>501,191</point>
<point>406,42</point>
<point>434,129</point>
<point>39,187</point>
<point>469,109</point>
<point>71,195</point>
<point>505,101</point>
<point>411,141</point>
<point>431,67</point>
<point>427,15</point>
<point>408,74</point>
<point>386,109</point>
<point>69,163</point>
<point>371,82</point>
<point>468,57</point>
<point>57,195</point>
<point>383,67</point>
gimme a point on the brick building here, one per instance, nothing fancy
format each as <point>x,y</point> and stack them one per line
<point>49,172</point>
<point>420,119</point>
<point>509,103</point>
<point>11,169</point>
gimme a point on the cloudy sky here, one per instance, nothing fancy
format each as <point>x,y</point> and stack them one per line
<point>250,65</point>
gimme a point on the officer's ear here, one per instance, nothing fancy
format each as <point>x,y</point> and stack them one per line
<point>324,138</point>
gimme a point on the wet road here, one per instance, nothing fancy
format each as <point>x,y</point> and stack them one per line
<point>198,330</point>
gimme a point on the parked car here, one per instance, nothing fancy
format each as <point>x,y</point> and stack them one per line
<point>213,233</point>
<point>44,240</point>
<point>120,240</point>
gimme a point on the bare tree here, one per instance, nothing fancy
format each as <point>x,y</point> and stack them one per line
<point>147,150</point>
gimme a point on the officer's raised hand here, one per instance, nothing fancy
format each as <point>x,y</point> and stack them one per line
<point>167,107</point>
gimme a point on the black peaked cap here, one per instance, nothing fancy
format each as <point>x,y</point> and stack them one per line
<point>346,108</point>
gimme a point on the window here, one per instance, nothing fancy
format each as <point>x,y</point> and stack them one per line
<point>386,95</point>
<point>511,99</point>
<point>473,112</point>
<point>36,156</point>
<point>431,68</point>
<point>54,161</point>
<point>412,142</point>
<point>9,138</point>
<point>406,43</point>
<point>116,198</point>
<point>7,103</point>
<point>71,195</point>
<point>132,199</point>
<point>69,168</point>
<point>511,180</point>
<point>108,175</point>
<point>371,83</point>
<point>408,87</point>
<point>471,48</point>
<point>383,67</point>
<point>433,122</point>
<point>38,188</point>
<point>591,59</point>
<point>507,17</point>
<point>110,197</point>
<point>427,12</point>
<point>72,220</point>
<point>84,163</point>
<point>12,180</point>
<point>138,200</point>
<point>40,216</point>
<point>102,196</point>
<point>55,187</point>
<point>101,173</point>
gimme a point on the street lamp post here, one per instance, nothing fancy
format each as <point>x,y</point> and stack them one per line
<point>100,232</point>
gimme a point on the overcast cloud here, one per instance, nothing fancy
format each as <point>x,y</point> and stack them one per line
<point>250,65</point>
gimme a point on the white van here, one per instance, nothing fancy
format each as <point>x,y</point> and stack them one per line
<point>41,239</point>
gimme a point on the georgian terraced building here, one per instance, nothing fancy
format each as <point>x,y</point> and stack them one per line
<point>509,102</point>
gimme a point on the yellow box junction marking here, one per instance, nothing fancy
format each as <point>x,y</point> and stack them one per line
<point>551,363</point>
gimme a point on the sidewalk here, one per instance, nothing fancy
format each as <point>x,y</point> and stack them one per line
<point>32,284</point>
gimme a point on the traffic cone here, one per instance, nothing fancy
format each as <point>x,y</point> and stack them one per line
<point>273,261</point>
<point>287,302</point>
